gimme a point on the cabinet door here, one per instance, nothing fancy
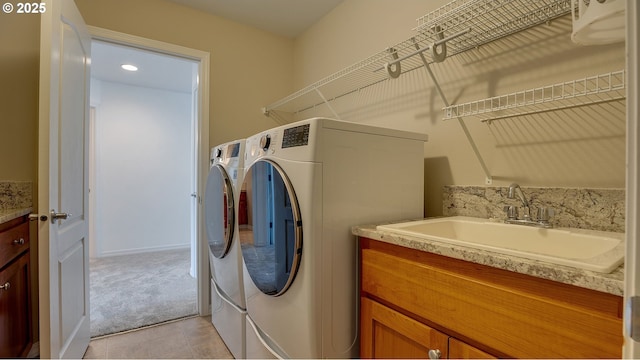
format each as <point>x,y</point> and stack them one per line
<point>15,309</point>
<point>461,350</point>
<point>386,333</point>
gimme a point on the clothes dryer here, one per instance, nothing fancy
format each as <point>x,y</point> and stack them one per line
<point>222,199</point>
<point>308,183</point>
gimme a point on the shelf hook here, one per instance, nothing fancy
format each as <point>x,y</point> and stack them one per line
<point>435,55</point>
<point>393,73</point>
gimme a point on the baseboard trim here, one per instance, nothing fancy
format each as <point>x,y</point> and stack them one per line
<point>142,250</point>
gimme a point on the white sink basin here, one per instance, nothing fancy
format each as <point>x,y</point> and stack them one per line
<point>585,249</point>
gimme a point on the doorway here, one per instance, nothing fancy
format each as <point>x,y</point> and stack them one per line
<point>147,134</point>
<point>143,137</point>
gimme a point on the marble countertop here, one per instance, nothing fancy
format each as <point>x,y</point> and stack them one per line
<point>10,214</point>
<point>612,283</point>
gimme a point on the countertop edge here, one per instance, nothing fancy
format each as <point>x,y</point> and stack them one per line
<point>612,283</point>
<point>10,214</point>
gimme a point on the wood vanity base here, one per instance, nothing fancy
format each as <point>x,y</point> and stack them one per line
<point>477,311</point>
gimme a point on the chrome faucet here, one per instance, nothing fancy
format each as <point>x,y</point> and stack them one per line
<point>525,203</point>
<point>544,213</point>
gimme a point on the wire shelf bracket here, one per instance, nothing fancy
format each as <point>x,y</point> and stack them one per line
<point>483,165</point>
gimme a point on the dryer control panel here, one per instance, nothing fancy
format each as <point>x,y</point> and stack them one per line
<point>296,136</point>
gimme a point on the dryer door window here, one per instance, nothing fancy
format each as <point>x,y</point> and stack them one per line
<point>272,243</point>
<point>219,211</point>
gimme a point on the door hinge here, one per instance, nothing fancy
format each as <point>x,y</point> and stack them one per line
<point>632,318</point>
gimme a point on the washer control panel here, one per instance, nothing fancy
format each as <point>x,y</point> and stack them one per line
<point>226,153</point>
<point>233,150</point>
<point>296,136</point>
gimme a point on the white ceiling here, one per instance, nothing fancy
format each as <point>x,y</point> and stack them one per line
<point>284,17</point>
<point>155,70</point>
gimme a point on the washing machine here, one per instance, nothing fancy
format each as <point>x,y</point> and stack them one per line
<point>223,213</point>
<point>307,184</point>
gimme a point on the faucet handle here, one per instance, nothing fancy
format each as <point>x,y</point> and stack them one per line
<point>512,211</point>
<point>545,213</point>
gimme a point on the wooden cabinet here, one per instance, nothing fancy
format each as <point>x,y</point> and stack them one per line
<point>390,334</point>
<point>480,311</point>
<point>15,297</point>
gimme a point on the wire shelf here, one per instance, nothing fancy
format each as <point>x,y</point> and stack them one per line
<point>582,92</point>
<point>489,19</point>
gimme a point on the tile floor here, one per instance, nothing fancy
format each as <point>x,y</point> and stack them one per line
<point>190,338</point>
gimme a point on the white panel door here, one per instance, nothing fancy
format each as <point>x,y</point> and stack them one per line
<point>63,190</point>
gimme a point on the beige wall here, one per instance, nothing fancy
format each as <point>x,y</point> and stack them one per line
<point>19,71</point>
<point>249,67</point>
<point>584,147</point>
<point>19,80</point>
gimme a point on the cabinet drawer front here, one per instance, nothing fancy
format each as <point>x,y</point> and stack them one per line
<point>13,241</point>
<point>510,321</point>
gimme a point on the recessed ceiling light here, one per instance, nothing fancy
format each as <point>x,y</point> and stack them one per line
<point>129,67</point>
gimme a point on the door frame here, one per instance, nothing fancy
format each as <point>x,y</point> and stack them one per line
<point>202,141</point>
<point>631,348</point>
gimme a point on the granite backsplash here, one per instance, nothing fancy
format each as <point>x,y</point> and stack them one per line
<point>595,209</point>
<point>16,195</point>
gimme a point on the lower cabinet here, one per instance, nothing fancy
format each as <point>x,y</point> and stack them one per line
<point>420,305</point>
<point>388,334</point>
<point>15,299</point>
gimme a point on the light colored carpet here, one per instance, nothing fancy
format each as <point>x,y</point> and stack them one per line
<point>132,291</point>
